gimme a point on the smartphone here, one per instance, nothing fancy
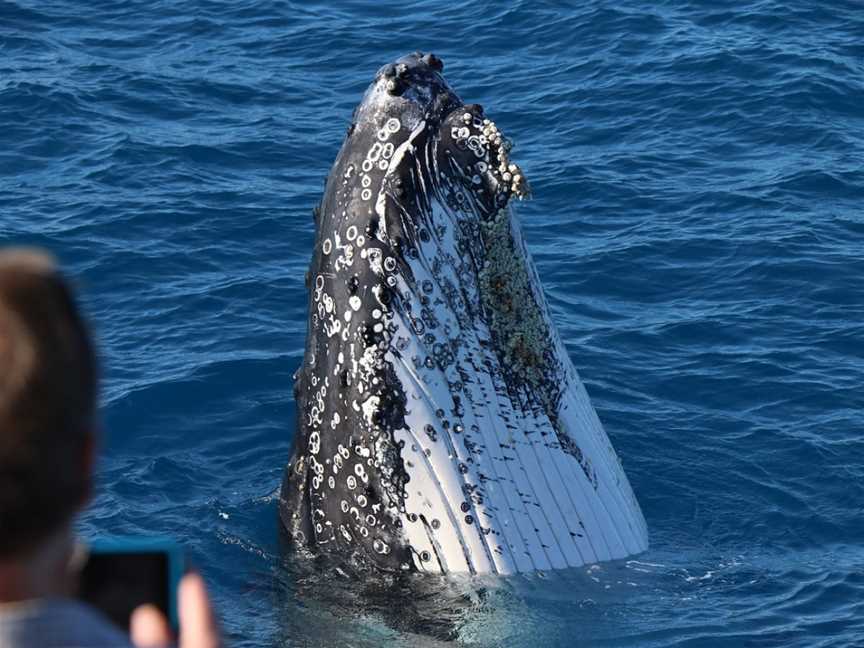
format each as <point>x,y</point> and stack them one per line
<point>119,574</point>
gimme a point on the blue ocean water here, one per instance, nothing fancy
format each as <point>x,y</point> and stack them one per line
<point>697,222</point>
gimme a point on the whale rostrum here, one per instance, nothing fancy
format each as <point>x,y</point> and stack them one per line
<point>441,425</point>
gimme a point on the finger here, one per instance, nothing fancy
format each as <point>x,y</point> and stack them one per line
<point>148,628</point>
<point>198,627</point>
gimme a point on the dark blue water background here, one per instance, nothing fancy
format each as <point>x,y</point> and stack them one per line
<point>698,223</point>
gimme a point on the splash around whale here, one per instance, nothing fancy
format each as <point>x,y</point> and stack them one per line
<point>441,425</point>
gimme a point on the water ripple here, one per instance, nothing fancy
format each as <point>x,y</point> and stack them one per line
<point>697,225</point>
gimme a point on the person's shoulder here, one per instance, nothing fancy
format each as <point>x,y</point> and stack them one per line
<point>57,623</point>
<point>93,629</point>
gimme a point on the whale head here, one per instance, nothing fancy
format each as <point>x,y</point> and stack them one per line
<point>441,425</point>
<point>410,100</point>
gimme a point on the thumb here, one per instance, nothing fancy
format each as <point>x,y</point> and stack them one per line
<point>148,628</point>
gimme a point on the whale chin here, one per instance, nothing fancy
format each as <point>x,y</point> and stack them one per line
<point>441,424</point>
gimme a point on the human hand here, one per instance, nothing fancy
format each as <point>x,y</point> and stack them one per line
<point>198,627</point>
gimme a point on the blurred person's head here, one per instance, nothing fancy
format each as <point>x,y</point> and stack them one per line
<point>48,392</point>
<point>48,385</point>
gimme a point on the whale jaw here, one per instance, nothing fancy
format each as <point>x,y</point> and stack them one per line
<point>441,424</point>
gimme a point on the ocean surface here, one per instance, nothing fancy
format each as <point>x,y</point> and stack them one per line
<point>697,222</point>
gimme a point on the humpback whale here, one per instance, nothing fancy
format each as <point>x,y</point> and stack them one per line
<point>441,425</point>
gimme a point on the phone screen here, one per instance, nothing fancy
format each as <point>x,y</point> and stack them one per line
<point>118,576</point>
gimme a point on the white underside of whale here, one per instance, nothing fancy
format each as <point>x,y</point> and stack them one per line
<point>494,492</point>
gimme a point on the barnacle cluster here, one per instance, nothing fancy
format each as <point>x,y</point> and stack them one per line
<point>481,136</point>
<point>377,157</point>
<point>508,300</point>
<point>517,323</point>
<point>510,174</point>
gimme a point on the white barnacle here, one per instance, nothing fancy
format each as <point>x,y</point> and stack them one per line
<point>327,246</point>
<point>389,264</point>
<point>351,233</point>
<point>393,125</point>
<point>355,302</point>
<point>360,471</point>
<point>365,194</point>
<point>317,467</point>
<point>370,407</point>
<point>375,260</point>
<point>366,181</point>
